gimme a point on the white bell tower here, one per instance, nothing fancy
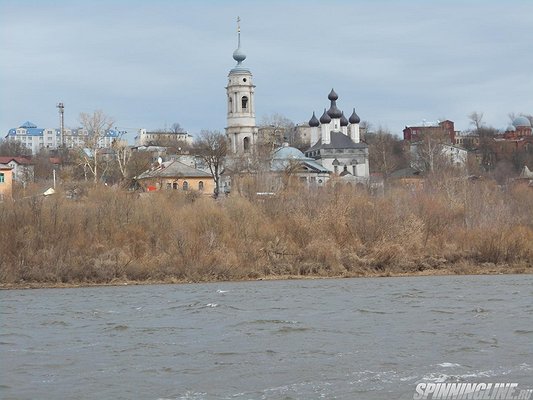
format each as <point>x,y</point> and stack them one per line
<point>241,129</point>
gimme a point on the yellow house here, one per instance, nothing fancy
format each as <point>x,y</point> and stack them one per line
<point>6,182</point>
<point>173,175</point>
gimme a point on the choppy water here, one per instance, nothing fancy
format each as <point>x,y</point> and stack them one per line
<point>344,339</point>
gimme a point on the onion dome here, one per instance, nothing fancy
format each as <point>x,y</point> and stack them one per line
<point>333,111</point>
<point>354,118</point>
<point>325,118</point>
<point>313,122</point>
<point>521,121</point>
<point>344,121</point>
<point>332,95</point>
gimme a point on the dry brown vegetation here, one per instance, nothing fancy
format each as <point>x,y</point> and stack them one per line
<point>452,226</point>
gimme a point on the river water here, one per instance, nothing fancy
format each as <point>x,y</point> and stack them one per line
<point>296,339</point>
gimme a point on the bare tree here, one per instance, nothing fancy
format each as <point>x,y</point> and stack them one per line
<point>123,155</point>
<point>14,148</point>
<point>428,151</point>
<point>282,129</point>
<point>385,152</point>
<point>212,147</point>
<point>43,168</point>
<point>476,119</point>
<point>176,128</point>
<point>95,126</point>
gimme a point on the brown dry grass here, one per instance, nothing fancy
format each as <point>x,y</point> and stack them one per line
<point>110,236</point>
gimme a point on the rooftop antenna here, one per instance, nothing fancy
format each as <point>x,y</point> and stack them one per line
<point>61,108</point>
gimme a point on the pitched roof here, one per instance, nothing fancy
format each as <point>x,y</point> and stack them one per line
<point>406,173</point>
<point>174,169</point>
<point>18,160</point>
<point>338,141</point>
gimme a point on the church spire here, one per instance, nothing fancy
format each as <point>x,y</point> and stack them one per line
<point>239,31</point>
<point>238,54</point>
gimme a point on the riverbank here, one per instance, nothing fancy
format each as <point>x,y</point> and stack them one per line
<point>452,227</point>
<point>460,269</point>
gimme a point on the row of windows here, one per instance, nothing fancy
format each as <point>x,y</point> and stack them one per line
<point>184,185</point>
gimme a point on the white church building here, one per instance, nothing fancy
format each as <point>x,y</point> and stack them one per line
<point>336,143</point>
<point>336,149</point>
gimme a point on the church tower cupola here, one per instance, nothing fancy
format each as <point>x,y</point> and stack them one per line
<point>325,118</point>
<point>332,95</point>
<point>344,121</point>
<point>241,129</point>
<point>313,122</point>
<point>354,118</point>
<point>333,111</point>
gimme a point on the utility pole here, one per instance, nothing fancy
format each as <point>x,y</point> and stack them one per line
<point>61,108</point>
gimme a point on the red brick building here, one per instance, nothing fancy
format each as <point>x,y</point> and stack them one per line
<point>413,133</point>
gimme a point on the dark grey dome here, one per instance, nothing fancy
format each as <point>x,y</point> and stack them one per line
<point>332,95</point>
<point>333,111</point>
<point>325,118</point>
<point>313,121</point>
<point>344,121</point>
<point>354,118</point>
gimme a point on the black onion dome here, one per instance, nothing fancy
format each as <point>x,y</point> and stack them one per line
<point>313,122</point>
<point>333,111</point>
<point>354,118</point>
<point>344,121</point>
<point>325,118</point>
<point>332,95</point>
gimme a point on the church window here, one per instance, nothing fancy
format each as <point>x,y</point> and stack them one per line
<point>354,168</point>
<point>1,178</point>
<point>200,185</point>
<point>175,185</point>
<point>246,144</point>
<point>244,79</point>
<point>244,102</point>
<point>185,185</point>
<point>230,105</point>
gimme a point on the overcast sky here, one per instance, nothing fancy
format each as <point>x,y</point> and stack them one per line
<point>151,63</point>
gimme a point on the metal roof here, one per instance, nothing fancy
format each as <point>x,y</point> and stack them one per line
<point>174,169</point>
<point>338,141</point>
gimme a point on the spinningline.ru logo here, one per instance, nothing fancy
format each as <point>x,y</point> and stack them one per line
<point>476,391</point>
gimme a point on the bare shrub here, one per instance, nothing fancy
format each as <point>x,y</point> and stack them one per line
<point>105,235</point>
